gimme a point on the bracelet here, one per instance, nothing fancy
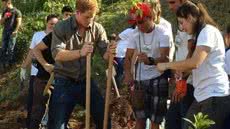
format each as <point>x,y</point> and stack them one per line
<point>151,61</point>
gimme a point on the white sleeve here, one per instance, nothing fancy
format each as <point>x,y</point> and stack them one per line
<point>34,40</point>
<point>227,62</point>
<point>131,42</point>
<point>164,40</point>
<point>206,38</point>
<point>189,37</point>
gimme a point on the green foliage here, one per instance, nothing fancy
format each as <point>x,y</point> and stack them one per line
<point>10,88</point>
<point>28,6</point>
<point>201,121</point>
<point>114,17</point>
<point>55,6</point>
<point>31,24</point>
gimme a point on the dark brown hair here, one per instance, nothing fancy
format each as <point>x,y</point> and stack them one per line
<point>197,11</point>
<point>51,16</point>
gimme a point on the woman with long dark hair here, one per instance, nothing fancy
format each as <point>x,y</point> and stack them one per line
<point>207,64</point>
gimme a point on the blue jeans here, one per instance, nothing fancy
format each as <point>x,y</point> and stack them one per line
<point>227,123</point>
<point>66,95</point>
<point>178,111</point>
<point>8,44</point>
<point>119,70</point>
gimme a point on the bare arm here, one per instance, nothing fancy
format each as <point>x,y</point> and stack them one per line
<point>2,20</point>
<point>19,22</point>
<point>67,55</point>
<point>127,65</point>
<point>37,51</point>
<point>28,60</point>
<point>38,54</point>
<point>195,61</point>
<point>164,53</point>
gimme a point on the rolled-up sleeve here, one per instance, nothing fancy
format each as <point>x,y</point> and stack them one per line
<point>102,40</point>
<point>58,42</point>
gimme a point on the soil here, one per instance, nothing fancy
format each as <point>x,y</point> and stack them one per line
<point>13,113</point>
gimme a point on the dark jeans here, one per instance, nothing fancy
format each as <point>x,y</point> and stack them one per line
<point>227,123</point>
<point>177,111</point>
<point>8,44</point>
<point>39,103</point>
<point>217,109</point>
<point>30,100</point>
<point>119,70</point>
<point>66,95</point>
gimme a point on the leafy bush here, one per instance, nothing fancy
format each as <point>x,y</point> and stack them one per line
<point>201,121</point>
<point>55,6</point>
<point>31,23</point>
<point>114,17</point>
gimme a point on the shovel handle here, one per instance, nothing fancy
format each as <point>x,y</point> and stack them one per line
<point>108,91</point>
<point>88,81</point>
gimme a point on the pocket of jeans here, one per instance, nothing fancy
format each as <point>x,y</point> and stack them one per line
<point>59,92</point>
<point>60,82</point>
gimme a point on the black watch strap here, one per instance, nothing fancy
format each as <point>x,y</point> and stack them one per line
<point>151,61</point>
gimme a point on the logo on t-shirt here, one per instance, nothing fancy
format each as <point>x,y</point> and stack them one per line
<point>8,14</point>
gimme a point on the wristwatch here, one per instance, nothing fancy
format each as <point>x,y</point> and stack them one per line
<point>151,61</point>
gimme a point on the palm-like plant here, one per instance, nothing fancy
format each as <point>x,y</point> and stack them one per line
<point>201,121</point>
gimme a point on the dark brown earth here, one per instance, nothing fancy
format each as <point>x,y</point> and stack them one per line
<point>13,112</point>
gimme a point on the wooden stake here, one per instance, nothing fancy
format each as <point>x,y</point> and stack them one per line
<point>108,91</point>
<point>88,86</point>
<point>114,81</point>
<point>49,85</point>
<point>115,86</point>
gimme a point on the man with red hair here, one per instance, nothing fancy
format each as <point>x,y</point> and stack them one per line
<point>72,40</point>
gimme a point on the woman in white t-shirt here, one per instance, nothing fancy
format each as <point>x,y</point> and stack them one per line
<point>207,64</point>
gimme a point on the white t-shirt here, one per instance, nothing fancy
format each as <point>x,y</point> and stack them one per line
<point>227,62</point>
<point>123,42</point>
<point>168,28</point>
<point>37,38</point>
<point>150,44</point>
<point>181,42</point>
<point>210,78</point>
